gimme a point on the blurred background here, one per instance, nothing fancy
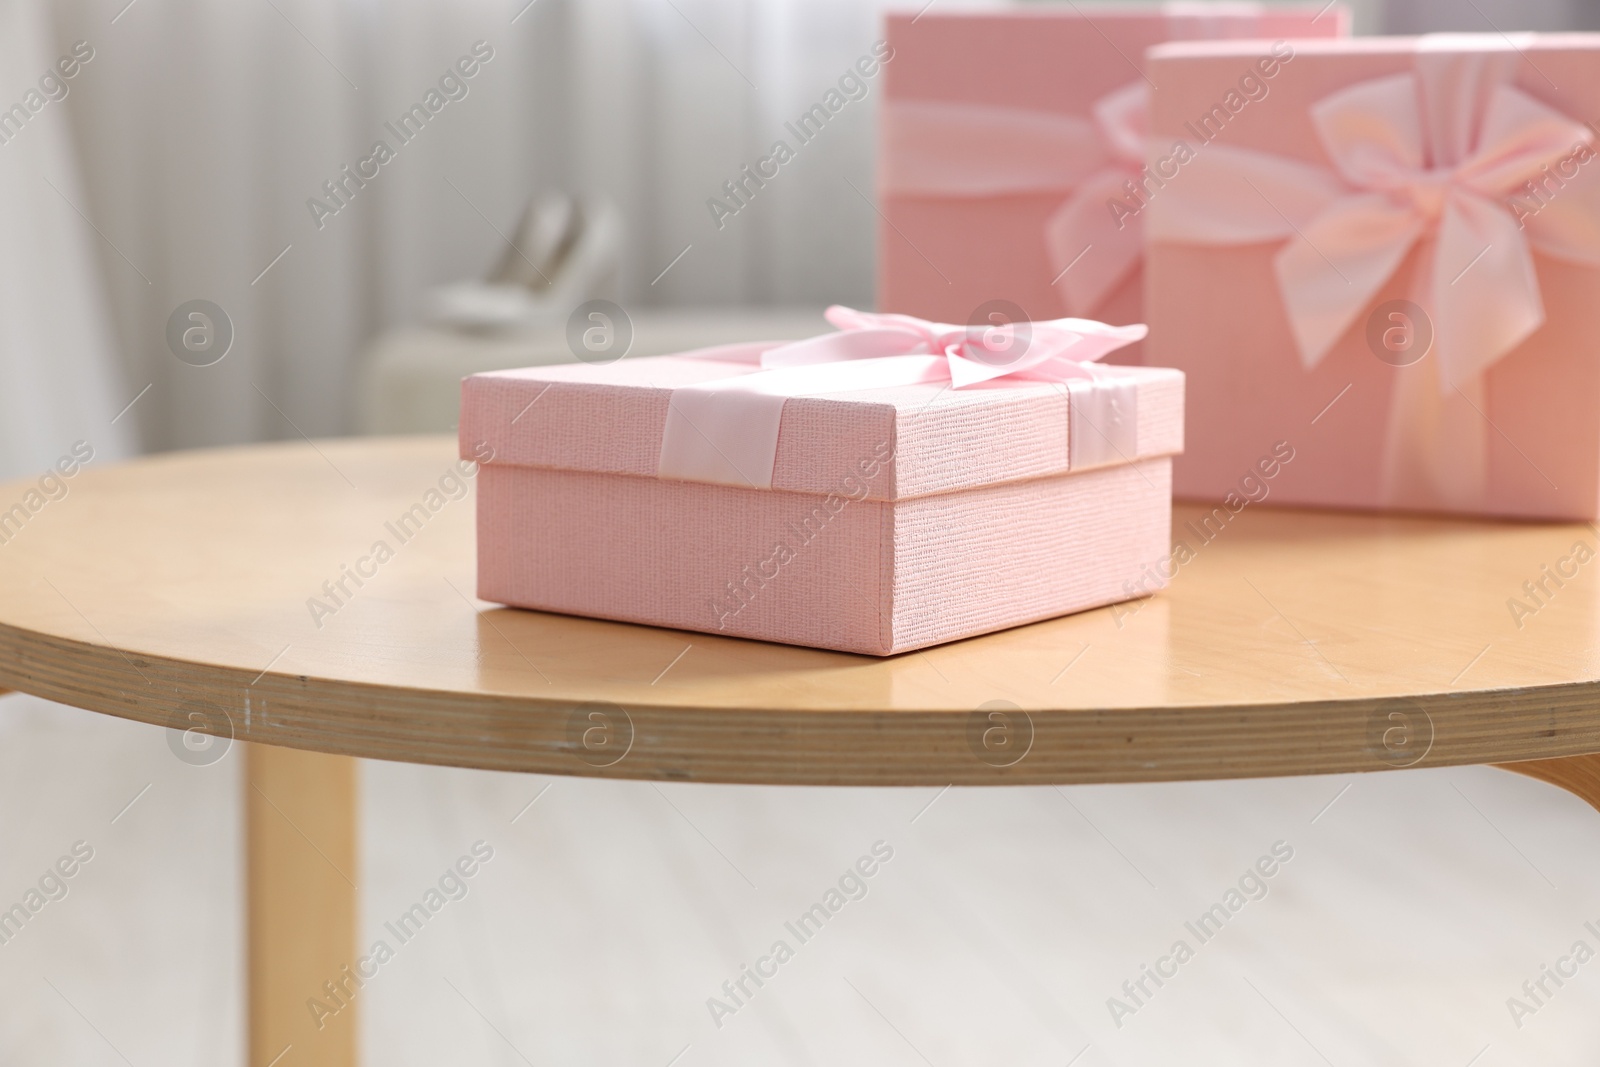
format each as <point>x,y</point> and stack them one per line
<point>186,159</point>
<point>180,165</point>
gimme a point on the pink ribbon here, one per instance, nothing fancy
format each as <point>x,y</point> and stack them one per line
<point>726,431</point>
<point>965,151</point>
<point>1428,158</point>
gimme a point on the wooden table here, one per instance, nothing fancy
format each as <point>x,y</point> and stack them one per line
<point>213,592</point>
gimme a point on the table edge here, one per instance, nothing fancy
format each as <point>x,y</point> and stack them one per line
<point>813,746</point>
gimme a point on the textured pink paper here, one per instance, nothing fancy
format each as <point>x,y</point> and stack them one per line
<point>1216,313</point>
<point>943,258</point>
<point>876,578</point>
<point>974,523</point>
<point>609,419</point>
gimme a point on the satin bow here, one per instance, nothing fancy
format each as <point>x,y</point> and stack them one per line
<point>1429,158</point>
<point>1484,291</point>
<point>1056,350</point>
<point>966,151</point>
<point>726,430</point>
<point>1415,156</point>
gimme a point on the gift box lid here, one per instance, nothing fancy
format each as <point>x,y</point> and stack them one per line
<point>1555,67</point>
<point>899,442</point>
<point>1521,44</point>
<point>1060,57</point>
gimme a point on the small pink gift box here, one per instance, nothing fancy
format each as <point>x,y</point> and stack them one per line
<point>1386,253</point>
<point>889,487</point>
<point>1003,134</point>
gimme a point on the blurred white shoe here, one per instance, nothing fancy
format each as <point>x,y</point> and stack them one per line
<point>564,251</point>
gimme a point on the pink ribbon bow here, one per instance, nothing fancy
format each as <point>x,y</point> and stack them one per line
<point>965,151</point>
<point>1430,158</point>
<point>726,431</point>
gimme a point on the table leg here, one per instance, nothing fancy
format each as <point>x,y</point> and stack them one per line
<point>1579,775</point>
<point>301,898</point>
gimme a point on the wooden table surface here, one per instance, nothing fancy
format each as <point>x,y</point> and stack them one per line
<point>181,590</point>
<point>213,592</point>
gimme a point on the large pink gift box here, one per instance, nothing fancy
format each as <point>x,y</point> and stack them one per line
<point>1003,136</point>
<point>886,500</point>
<point>1388,255</point>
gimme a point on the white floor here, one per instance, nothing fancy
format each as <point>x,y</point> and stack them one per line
<point>1413,907</point>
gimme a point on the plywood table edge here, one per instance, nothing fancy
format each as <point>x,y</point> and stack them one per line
<point>811,747</point>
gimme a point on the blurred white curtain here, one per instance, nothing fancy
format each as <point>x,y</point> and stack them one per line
<point>204,127</point>
<point>59,382</point>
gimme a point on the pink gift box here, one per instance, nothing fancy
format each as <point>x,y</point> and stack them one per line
<point>896,517</point>
<point>1002,136</point>
<point>1355,263</point>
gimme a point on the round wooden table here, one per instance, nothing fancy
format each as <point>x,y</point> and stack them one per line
<point>294,596</point>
